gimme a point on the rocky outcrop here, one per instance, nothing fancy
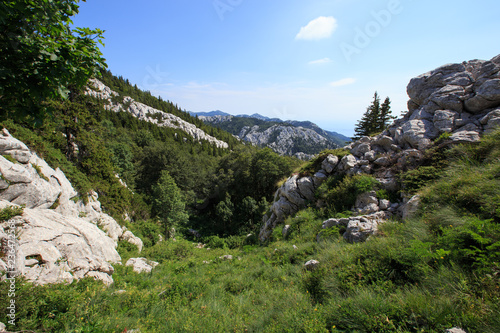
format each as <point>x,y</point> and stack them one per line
<point>53,248</point>
<point>60,238</point>
<point>357,228</point>
<point>147,113</point>
<point>462,100</point>
<point>141,265</point>
<point>285,138</point>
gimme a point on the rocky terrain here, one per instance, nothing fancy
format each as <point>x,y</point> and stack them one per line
<point>459,102</point>
<point>147,113</point>
<point>59,237</point>
<point>290,138</point>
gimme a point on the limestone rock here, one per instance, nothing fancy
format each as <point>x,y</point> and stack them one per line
<point>330,163</point>
<point>360,149</point>
<point>226,257</point>
<point>444,120</point>
<point>13,147</point>
<point>455,330</point>
<point>384,204</point>
<point>418,133</point>
<point>491,120</point>
<point>286,230</point>
<point>487,96</point>
<point>367,203</point>
<point>132,239</point>
<point>465,136</point>
<point>361,227</point>
<point>65,248</point>
<point>347,162</point>
<point>141,265</point>
<point>311,265</point>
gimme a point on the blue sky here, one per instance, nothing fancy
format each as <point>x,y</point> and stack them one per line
<point>314,60</point>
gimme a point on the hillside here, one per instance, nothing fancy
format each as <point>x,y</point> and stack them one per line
<point>292,138</point>
<point>436,170</point>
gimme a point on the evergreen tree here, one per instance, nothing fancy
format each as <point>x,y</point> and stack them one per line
<point>168,203</point>
<point>375,119</point>
<point>385,114</point>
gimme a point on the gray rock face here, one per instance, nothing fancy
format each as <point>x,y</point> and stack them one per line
<point>141,265</point>
<point>359,228</point>
<point>147,113</point>
<point>54,248</point>
<point>367,203</point>
<point>59,238</point>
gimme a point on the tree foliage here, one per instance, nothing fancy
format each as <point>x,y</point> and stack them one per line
<point>42,56</point>
<point>168,204</point>
<point>375,119</point>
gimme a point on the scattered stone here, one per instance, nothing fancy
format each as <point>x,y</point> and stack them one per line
<point>384,204</point>
<point>286,230</point>
<point>142,265</point>
<point>311,265</point>
<point>226,257</point>
<point>330,163</point>
<point>367,203</point>
<point>455,330</point>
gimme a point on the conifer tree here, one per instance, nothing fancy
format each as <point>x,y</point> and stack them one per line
<point>375,119</point>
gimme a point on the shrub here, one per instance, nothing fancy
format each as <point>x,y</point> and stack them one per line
<point>339,193</point>
<point>215,242</point>
<point>314,164</point>
<point>10,211</point>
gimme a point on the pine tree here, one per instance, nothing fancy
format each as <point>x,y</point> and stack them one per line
<point>385,114</point>
<point>375,119</point>
<point>168,203</point>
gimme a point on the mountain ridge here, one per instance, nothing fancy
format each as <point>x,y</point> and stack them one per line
<point>305,140</point>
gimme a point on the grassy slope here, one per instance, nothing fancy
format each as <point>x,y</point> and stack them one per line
<point>434,272</point>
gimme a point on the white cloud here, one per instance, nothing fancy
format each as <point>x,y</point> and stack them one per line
<point>320,28</point>
<point>343,82</point>
<point>320,61</point>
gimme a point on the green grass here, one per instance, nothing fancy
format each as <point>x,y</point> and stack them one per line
<point>433,272</point>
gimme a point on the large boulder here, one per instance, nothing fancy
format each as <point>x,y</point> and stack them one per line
<point>141,265</point>
<point>55,248</point>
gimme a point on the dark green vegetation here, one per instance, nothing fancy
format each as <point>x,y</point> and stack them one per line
<point>376,118</point>
<point>42,57</point>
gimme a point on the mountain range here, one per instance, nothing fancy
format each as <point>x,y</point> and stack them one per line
<point>293,138</point>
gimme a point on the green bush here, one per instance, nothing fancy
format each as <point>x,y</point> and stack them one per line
<point>312,166</point>
<point>10,211</point>
<point>339,193</point>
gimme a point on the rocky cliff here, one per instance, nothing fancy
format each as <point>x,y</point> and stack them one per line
<point>461,100</point>
<point>285,138</point>
<point>144,112</point>
<point>59,237</point>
